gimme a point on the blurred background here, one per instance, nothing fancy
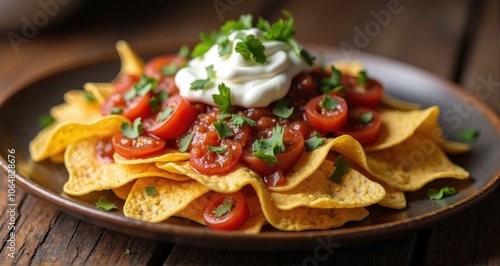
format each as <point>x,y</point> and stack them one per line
<point>455,39</point>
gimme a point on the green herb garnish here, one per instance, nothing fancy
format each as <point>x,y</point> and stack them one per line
<point>281,109</point>
<point>434,194</point>
<point>252,48</point>
<point>185,141</point>
<point>328,103</point>
<point>207,41</point>
<point>201,84</point>
<point>468,135</point>
<point>314,142</point>
<point>105,205</point>
<point>132,131</point>
<point>145,85</point>
<point>223,99</point>
<point>239,121</point>
<point>45,121</point>
<point>366,118</point>
<point>341,168</point>
<point>224,208</point>
<point>90,98</point>
<point>184,51</point>
<point>222,129</point>
<point>154,104</point>
<point>332,84</point>
<point>266,149</point>
<point>162,96</point>
<point>218,149</point>
<point>150,191</point>
<point>163,115</point>
<point>169,70</point>
<point>116,110</point>
<point>362,78</point>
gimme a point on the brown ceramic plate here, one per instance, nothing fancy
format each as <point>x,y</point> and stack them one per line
<point>21,107</point>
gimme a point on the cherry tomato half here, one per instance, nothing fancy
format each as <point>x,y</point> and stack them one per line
<point>323,119</point>
<point>223,219</point>
<point>124,82</point>
<point>139,147</point>
<point>132,109</point>
<point>173,125</point>
<point>368,95</point>
<point>205,161</point>
<point>294,147</point>
<point>153,67</point>
<point>366,132</point>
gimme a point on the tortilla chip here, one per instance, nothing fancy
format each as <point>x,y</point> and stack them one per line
<point>131,63</point>
<point>87,173</point>
<point>397,104</point>
<point>101,91</point>
<point>170,198</point>
<point>398,126</point>
<point>123,191</point>
<point>55,138</point>
<point>317,191</point>
<point>77,108</point>
<point>297,219</point>
<point>256,219</point>
<point>394,199</point>
<point>58,158</point>
<point>351,68</point>
<point>167,155</point>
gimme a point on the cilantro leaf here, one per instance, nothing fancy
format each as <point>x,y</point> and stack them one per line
<point>169,70</point>
<point>245,22</point>
<point>90,98</point>
<point>252,49</point>
<point>222,129</point>
<point>207,41</point>
<point>300,51</point>
<point>281,109</point>
<point>116,110</point>
<point>314,142</point>
<point>201,84</point>
<point>332,84</point>
<point>162,96</point>
<point>150,191</point>
<point>434,194</point>
<point>217,149</point>
<point>224,46</point>
<point>223,99</point>
<point>282,30</point>
<point>468,135</point>
<point>366,117</point>
<point>266,149</point>
<point>239,121</point>
<point>154,104</point>
<point>341,168</point>
<point>145,85</point>
<point>183,51</point>
<point>105,205</point>
<point>185,141</point>
<point>328,103</point>
<point>132,131</point>
<point>223,209</point>
<point>223,116</point>
<point>45,121</point>
<point>362,78</point>
<point>163,115</point>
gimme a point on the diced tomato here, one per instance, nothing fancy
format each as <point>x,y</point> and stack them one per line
<point>368,95</point>
<point>323,119</point>
<point>226,211</point>
<point>136,107</point>
<point>364,132</point>
<point>144,145</point>
<point>174,125</point>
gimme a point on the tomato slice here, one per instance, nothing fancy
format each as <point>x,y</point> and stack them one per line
<point>323,119</point>
<point>366,132</point>
<point>368,95</point>
<point>124,82</point>
<point>137,107</point>
<point>140,147</point>
<point>153,67</point>
<point>226,211</point>
<point>205,161</point>
<point>173,125</point>
<point>294,147</point>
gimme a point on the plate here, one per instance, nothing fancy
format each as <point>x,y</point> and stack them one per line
<point>21,107</point>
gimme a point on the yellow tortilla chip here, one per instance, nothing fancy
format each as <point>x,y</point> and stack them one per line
<point>131,63</point>
<point>394,199</point>
<point>256,219</point>
<point>168,155</point>
<point>317,191</point>
<point>87,173</point>
<point>170,198</point>
<point>351,68</point>
<point>101,91</point>
<point>58,158</point>
<point>394,103</point>
<point>297,219</point>
<point>55,138</point>
<point>123,191</point>
<point>77,108</point>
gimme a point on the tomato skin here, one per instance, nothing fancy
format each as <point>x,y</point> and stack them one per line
<point>324,120</point>
<point>140,147</point>
<point>153,67</point>
<point>234,219</point>
<point>212,163</point>
<point>294,144</point>
<point>137,107</point>
<point>358,95</point>
<point>124,82</point>
<point>174,125</point>
<point>366,134</point>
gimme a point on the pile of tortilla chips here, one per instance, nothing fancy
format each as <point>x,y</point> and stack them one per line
<point>408,154</point>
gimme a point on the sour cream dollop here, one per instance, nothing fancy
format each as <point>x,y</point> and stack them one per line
<point>251,84</point>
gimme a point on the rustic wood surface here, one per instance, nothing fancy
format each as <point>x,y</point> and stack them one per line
<point>457,40</point>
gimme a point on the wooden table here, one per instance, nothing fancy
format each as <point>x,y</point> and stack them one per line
<point>457,40</point>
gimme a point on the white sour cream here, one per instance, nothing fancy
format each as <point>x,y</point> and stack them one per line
<point>251,84</point>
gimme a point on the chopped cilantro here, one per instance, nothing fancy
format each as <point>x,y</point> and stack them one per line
<point>163,115</point>
<point>223,130</point>
<point>224,116</point>
<point>239,121</point>
<point>116,110</point>
<point>366,117</point>
<point>162,96</point>
<point>223,99</point>
<point>153,103</point>
<point>150,191</point>
<point>217,149</point>
<point>245,22</point>
<point>207,41</point>
<point>281,109</point>
<point>223,209</point>
<point>468,135</point>
<point>224,46</point>
<point>282,30</point>
<point>183,51</point>
<point>341,168</point>
<point>45,121</point>
<point>169,70</point>
<point>434,194</point>
<point>145,85</point>
<point>266,149</point>
<point>185,141</point>
<point>332,84</point>
<point>252,48</point>
<point>328,103</point>
<point>132,131</point>
<point>201,84</point>
<point>314,142</point>
<point>362,78</point>
<point>300,51</point>
<point>90,98</point>
<point>105,205</point>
